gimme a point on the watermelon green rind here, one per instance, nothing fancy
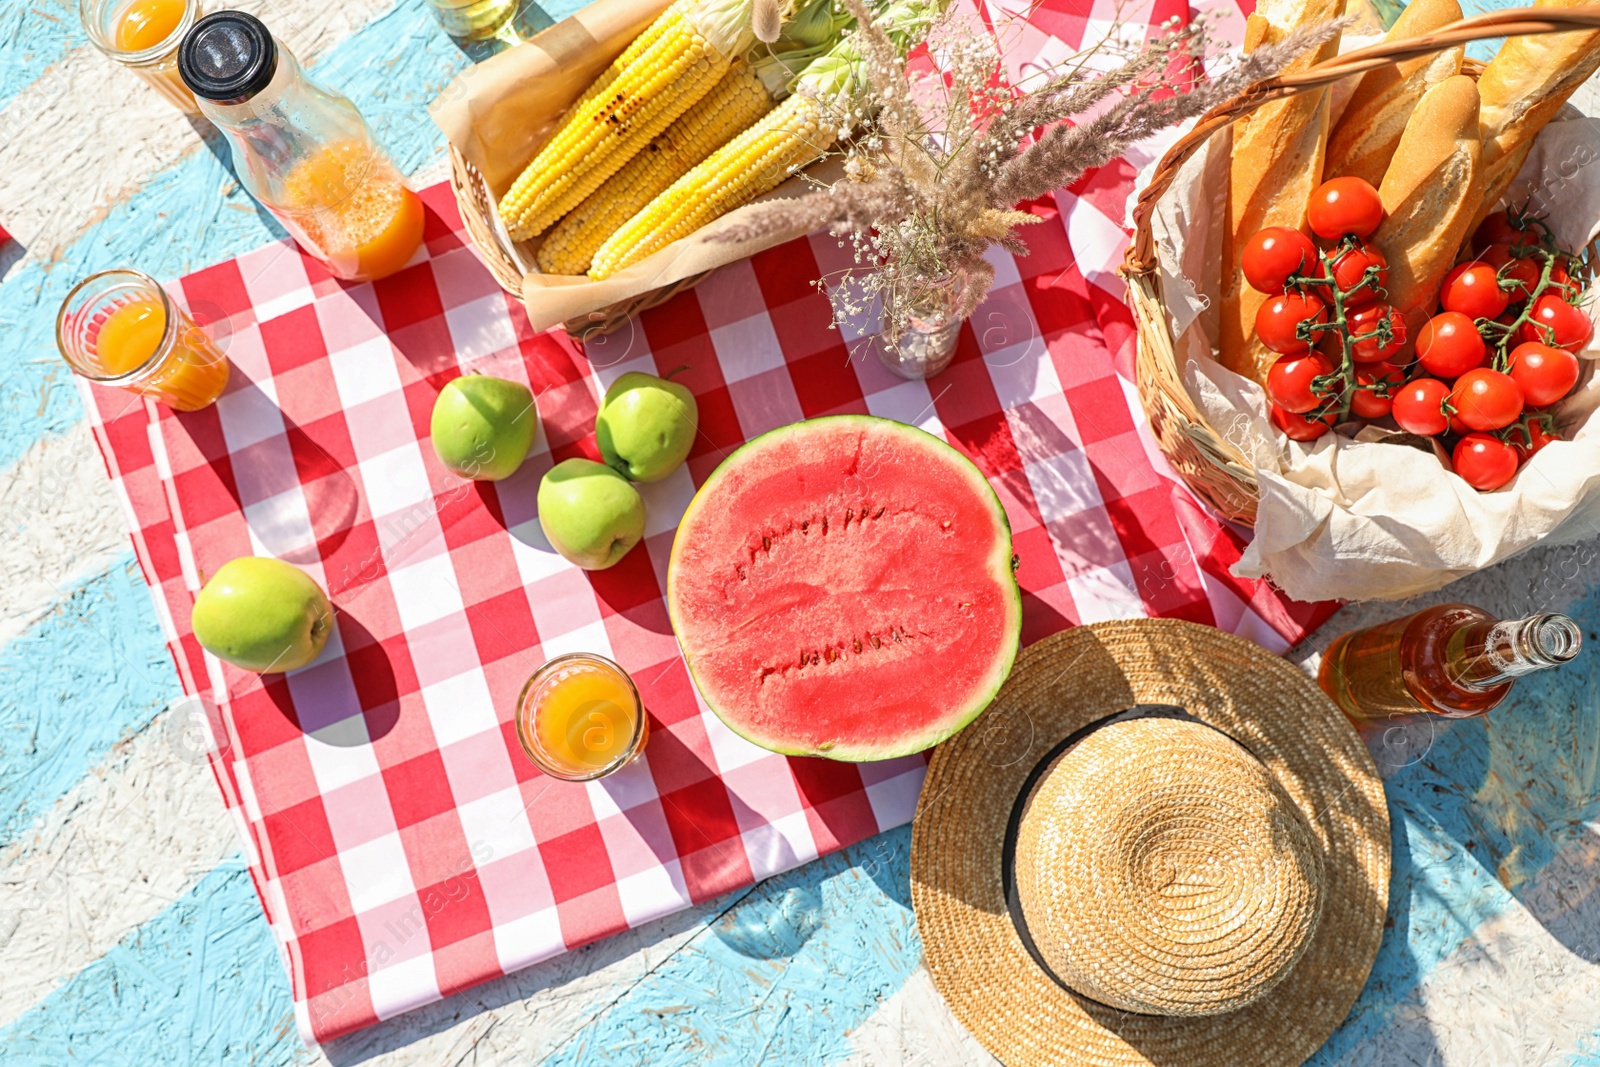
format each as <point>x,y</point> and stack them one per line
<point>1000,565</point>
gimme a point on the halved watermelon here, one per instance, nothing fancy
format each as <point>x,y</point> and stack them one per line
<point>843,587</point>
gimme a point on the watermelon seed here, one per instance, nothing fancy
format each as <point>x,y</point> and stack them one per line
<point>879,513</point>
<point>858,645</point>
<point>766,544</point>
<point>805,527</point>
<point>848,514</point>
<point>875,642</point>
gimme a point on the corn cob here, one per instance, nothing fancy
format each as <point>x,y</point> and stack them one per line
<point>744,94</point>
<point>635,49</point>
<point>795,133</point>
<point>738,100</point>
<point>754,162</point>
<point>693,49</point>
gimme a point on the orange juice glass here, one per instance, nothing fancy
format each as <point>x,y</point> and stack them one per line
<point>120,328</point>
<point>143,35</point>
<point>579,718</point>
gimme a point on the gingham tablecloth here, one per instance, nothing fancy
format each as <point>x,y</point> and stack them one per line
<point>402,846</point>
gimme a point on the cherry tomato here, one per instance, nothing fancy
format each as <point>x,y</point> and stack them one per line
<point>1289,381</point>
<point>1560,276</point>
<point>1537,438</point>
<point>1363,322</point>
<point>1275,253</point>
<point>1344,205</point>
<point>1544,374</point>
<point>1485,399</point>
<point>1474,290</point>
<point>1369,405</point>
<point>1300,427</point>
<point>1554,321</point>
<point>1530,437</point>
<point>1448,345</point>
<point>1497,230</point>
<point>1419,407</point>
<point>1484,462</point>
<point>1350,269</point>
<point>1278,318</point>
<point>1524,273</point>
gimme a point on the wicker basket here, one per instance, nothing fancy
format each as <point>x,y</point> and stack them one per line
<point>1213,466</point>
<point>508,263</point>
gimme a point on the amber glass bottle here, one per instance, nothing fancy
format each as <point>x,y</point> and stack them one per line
<point>1453,660</point>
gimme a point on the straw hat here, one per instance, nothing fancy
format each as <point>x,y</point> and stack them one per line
<point>1160,845</point>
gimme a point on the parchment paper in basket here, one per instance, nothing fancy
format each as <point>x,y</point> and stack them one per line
<point>499,112</point>
<point>1364,520</point>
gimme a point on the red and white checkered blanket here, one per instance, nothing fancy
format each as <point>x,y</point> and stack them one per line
<point>402,845</point>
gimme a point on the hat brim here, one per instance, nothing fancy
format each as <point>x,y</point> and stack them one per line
<point>1062,683</point>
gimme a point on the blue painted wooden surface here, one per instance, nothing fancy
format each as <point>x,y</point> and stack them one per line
<point>1494,822</point>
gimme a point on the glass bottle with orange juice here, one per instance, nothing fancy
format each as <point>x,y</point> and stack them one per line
<point>579,718</point>
<point>143,35</point>
<point>119,328</point>
<point>300,149</point>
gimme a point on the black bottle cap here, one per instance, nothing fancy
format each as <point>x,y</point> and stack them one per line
<point>228,57</point>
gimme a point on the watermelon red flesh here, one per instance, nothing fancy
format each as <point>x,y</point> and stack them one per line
<point>843,587</point>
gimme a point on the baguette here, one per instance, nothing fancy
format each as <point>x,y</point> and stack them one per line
<point>1522,88</point>
<point>1430,196</point>
<point>1364,139</point>
<point>1277,161</point>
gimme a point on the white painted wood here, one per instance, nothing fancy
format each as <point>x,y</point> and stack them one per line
<point>126,842</point>
<point>59,521</point>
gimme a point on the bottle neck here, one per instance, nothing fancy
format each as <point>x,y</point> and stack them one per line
<point>287,80</point>
<point>1496,653</point>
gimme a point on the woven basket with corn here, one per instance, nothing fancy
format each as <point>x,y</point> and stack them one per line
<point>710,107</point>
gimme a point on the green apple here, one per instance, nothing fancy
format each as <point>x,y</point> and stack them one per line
<point>483,427</point>
<point>262,614</point>
<point>646,426</point>
<point>589,513</point>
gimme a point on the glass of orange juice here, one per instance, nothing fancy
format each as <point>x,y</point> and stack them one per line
<point>120,328</point>
<point>579,718</point>
<point>143,35</point>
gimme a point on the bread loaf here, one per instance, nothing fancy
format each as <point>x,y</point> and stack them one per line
<point>1364,139</point>
<point>1430,196</point>
<point>1522,88</point>
<point>1277,161</point>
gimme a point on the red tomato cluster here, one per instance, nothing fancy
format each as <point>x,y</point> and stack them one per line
<point>1482,371</point>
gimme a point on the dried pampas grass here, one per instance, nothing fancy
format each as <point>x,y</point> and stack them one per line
<point>941,160</point>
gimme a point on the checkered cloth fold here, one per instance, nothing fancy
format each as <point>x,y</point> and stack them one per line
<point>402,845</point>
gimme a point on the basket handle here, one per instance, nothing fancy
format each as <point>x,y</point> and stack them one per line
<point>1512,22</point>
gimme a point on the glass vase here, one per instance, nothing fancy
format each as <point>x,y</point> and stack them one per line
<point>924,342</point>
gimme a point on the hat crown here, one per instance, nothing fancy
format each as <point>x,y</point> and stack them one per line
<point>1161,869</point>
